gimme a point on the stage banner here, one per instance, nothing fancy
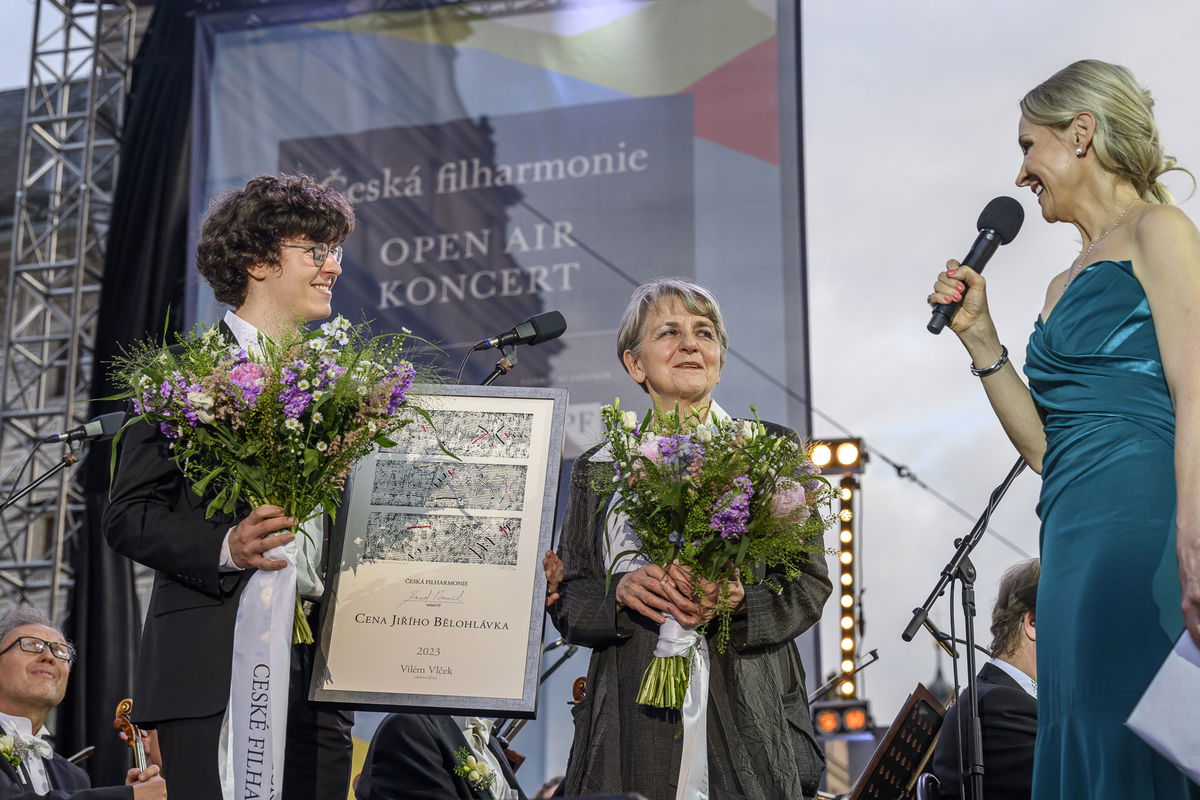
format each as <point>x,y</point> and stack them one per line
<point>508,158</point>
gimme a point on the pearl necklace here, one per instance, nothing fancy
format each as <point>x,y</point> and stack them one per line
<point>1080,262</point>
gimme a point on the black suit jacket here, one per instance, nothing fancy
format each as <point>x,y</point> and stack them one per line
<point>1008,718</point>
<point>413,756</point>
<point>67,782</point>
<point>153,517</point>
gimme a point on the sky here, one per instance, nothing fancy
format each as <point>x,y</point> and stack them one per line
<point>910,119</point>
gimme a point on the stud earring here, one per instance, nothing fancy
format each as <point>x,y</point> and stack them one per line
<point>1079,152</point>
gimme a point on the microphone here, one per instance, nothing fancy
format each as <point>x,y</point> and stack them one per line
<point>535,330</point>
<point>998,224</point>
<point>101,428</point>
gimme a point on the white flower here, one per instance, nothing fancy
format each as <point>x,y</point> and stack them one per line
<point>318,394</point>
<point>316,417</point>
<point>750,429</point>
<point>629,420</point>
<point>202,404</point>
<point>321,446</point>
<point>318,345</point>
<point>703,434</point>
<point>303,385</point>
<point>293,425</point>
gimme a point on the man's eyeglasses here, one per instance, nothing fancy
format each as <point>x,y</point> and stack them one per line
<point>31,644</point>
<point>319,252</point>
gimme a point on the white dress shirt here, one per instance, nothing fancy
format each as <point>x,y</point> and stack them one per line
<point>35,767</point>
<point>477,731</point>
<point>1027,683</point>
<point>311,543</point>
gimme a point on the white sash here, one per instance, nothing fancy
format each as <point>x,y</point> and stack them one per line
<point>254,730</point>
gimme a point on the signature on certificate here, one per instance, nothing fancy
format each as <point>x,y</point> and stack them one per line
<point>435,596</point>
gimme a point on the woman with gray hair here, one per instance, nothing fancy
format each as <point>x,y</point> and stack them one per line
<point>1111,420</point>
<point>760,743</point>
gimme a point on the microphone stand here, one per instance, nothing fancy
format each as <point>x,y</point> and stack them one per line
<point>68,459</point>
<point>506,363</point>
<point>962,570</point>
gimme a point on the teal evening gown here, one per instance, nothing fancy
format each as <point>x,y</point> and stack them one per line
<point>1108,601</point>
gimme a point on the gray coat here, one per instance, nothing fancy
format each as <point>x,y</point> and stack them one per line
<point>760,736</point>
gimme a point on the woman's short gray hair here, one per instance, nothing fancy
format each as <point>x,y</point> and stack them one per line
<point>694,297</point>
<point>21,615</point>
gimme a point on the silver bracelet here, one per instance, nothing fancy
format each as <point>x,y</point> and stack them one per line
<point>991,369</point>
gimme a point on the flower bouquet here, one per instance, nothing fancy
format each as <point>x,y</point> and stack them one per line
<point>723,498</point>
<point>281,425</point>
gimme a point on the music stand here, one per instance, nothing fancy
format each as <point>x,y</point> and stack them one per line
<point>904,751</point>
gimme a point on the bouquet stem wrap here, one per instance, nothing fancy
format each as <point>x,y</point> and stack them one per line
<point>677,677</point>
<point>254,730</point>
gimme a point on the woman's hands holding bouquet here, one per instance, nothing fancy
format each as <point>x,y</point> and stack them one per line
<point>652,592</point>
<point>258,533</point>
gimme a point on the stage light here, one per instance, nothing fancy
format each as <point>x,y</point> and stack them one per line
<point>847,453</point>
<point>846,494</point>
<point>847,665</point>
<point>847,643</point>
<point>846,557</point>
<point>839,456</point>
<point>846,536</point>
<point>847,579</point>
<point>855,719</point>
<point>828,721</point>
<point>821,455</point>
<point>847,600</point>
<point>845,515</point>
<point>846,688</point>
<point>847,623</point>
<point>841,717</point>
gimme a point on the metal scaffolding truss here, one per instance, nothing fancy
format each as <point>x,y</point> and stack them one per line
<point>78,80</point>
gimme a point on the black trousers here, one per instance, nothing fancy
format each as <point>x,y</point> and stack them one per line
<point>318,753</point>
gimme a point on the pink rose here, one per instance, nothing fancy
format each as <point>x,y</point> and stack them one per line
<point>247,374</point>
<point>649,450</point>
<point>789,497</point>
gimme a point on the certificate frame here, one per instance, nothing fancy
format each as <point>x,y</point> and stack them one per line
<point>435,592</point>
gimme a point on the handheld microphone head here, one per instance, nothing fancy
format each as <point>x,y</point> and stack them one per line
<point>999,223</point>
<point>1003,216</point>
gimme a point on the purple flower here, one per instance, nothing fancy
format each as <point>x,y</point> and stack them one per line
<point>401,377</point>
<point>680,450</point>
<point>168,430</point>
<point>248,377</point>
<point>809,469</point>
<point>295,401</point>
<point>733,510</point>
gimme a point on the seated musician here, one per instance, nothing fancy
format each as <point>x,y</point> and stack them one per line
<point>35,663</point>
<point>1007,698</point>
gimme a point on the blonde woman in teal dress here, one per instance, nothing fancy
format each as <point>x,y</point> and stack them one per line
<point>1111,420</point>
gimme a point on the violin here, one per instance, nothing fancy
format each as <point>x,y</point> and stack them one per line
<point>133,734</point>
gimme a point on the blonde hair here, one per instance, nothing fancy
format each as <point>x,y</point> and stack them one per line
<point>1126,136</point>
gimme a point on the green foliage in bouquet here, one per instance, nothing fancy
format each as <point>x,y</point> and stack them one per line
<point>282,424</point>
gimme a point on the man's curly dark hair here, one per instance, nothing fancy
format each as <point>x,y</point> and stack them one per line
<point>245,227</point>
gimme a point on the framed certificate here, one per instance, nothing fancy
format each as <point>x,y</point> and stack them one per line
<point>435,597</point>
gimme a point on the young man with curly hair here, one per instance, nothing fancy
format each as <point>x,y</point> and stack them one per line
<point>272,251</point>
